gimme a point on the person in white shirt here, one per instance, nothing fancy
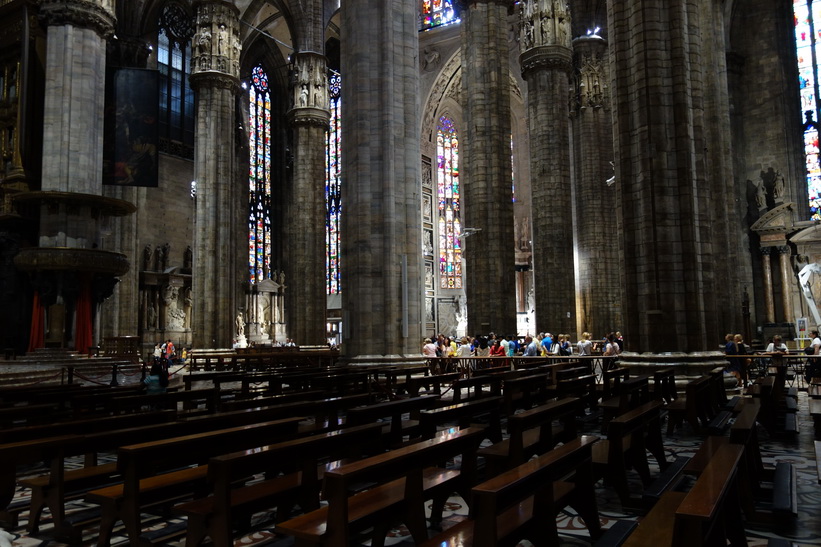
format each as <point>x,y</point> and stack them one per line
<point>776,346</point>
<point>585,346</point>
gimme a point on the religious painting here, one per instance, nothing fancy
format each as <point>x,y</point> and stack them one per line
<point>131,133</point>
<point>429,276</point>
<point>427,173</point>
<point>429,317</point>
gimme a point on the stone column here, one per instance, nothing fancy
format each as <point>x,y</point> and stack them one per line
<point>766,269</point>
<point>74,95</point>
<point>787,277</point>
<point>594,192</point>
<point>381,223</point>
<point>658,62</point>
<point>306,302</point>
<point>215,77</point>
<point>546,60</point>
<point>490,261</point>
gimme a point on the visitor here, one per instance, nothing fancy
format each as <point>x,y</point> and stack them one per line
<point>565,349</point>
<point>531,347</point>
<point>158,351</point>
<point>584,346</point>
<point>777,345</point>
<point>157,380</point>
<point>813,367</point>
<point>512,346</point>
<point>429,349</point>
<point>170,352</point>
<point>481,347</point>
<point>496,349</point>
<point>611,348</point>
<point>464,349</point>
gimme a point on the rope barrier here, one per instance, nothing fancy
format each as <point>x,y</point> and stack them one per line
<point>79,375</point>
<point>124,373</point>
<point>59,372</point>
<point>170,374</point>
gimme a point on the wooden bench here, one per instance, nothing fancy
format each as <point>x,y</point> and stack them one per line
<point>781,494</point>
<point>464,415</point>
<point>611,382</point>
<point>397,427</point>
<point>629,437</point>
<point>208,399</point>
<point>433,382</point>
<point>325,411</point>
<point>694,407</point>
<point>708,514</point>
<point>477,383</point>
<point>664,385</point>
<point>525,391</point>
<point>403,480</point>
<point>523,503</point>
<point>533,432</point>
<point>627,395</point>
<point>291,477</point>
<point>53,488</point>
<point>161,472</point>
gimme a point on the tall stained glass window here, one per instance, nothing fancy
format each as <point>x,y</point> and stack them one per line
<point>176,121</point>
<point>808,47</point>
<point>333,198</point>
<point>259,177</point>
<point>436,13</point>
<point>450,210</point>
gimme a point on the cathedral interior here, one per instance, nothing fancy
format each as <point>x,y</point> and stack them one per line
<point>367,174</point>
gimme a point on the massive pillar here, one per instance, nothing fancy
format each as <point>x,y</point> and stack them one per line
<point>69,270</point>
<point>381,185</point>
<point>546,60</point>
<point>594,192</point>
<point>665,196</point>
<point>486,173</point>
<point>306,301</point>
<point>215,77</point>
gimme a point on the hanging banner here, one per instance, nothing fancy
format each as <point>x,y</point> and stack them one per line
<point>131,135</point>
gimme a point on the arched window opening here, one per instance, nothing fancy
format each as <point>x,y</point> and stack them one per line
<point>808,48</point>
<point>259,179</point>
<point>333,197</point>
<point>450,211</point>
<point>176,121</point>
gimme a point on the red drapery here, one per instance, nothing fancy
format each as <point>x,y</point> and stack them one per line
<point>83,328</point>
<point>37,334</point>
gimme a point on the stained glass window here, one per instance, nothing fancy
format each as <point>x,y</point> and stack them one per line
<point>259,177</point>
<point>176,121</point>
<point>333,198</point>
<point>808,47</point>
<point>436,13</point>
<point>450,211</point>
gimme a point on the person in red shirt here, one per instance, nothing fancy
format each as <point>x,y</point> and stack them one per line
<point>169,351</point>
<point>497,350</point>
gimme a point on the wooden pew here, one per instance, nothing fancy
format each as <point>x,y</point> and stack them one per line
<point>629,394</point>
<point>291,475</point>
<point>433,382</point>
<point>533,432</point>
<point>525,391</point>
<point>664,385</point>
<point>464,415</point>
<point>775,485</point>
<point>629,437</point>
<point>523,503</point>
<point>694,408</point>
<point>477,383</point>
<point>160,472</point>
<point>404,479</point>
<point>52,489</point>
<point>208,399</point>
<point>709,514</point>
<point>397,428</point>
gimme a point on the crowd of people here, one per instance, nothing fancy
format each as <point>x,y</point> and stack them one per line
<point>542,344</point>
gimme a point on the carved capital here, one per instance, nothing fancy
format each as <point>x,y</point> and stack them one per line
<point>546,58</point>
<point>215,80</point>
<point>309,116</point>
<point>95,15</point>
<point>784,249</point>
<point>766,251</point>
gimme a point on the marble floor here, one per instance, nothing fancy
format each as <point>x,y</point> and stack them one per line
<point>805,530</point>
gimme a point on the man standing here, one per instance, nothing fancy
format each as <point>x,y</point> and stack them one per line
<point>532,349</point>
<point>169,351</point>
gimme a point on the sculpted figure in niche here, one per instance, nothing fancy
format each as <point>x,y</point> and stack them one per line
<point>760,195</point>
<point>147,258</point>
<point>303,95</point>
<point>240,323</point>
<point>188,258</point>
<point>778,186</point>
<point>204,42</point>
